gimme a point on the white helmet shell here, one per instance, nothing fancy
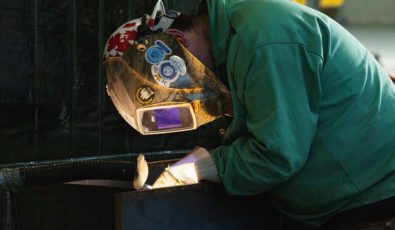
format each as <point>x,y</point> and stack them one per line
<point>126,34</point>
<point>121,39</point>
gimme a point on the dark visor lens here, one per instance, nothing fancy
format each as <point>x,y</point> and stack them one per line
<point>173,118</point>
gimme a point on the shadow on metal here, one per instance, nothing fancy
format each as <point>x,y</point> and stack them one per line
<point>200,206</point>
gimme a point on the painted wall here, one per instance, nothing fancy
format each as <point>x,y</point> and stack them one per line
<point>368,12</point>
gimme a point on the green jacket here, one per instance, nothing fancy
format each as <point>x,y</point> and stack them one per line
<point>314,113</point>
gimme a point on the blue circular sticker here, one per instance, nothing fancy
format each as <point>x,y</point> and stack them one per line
<point>167,70</point>
<point>154,55</point>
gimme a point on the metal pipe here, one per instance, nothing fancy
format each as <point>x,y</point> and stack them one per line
<point>113,167</point>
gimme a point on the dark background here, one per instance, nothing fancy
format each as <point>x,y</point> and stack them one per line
<point>54,105</point>
<point>53,102</point>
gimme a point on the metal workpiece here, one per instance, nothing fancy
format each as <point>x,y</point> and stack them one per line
<point>199,206</point>
<point>114,167</point>
<point>43,174</point>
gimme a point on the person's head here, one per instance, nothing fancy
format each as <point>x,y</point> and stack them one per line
<point>155,83</point>
<point>193,31</point>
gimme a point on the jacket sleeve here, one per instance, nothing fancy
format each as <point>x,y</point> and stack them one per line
<point>278,89</point>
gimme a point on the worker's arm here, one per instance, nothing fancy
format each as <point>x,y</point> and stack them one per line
<point>281,97</point>
<point>278,89</point>
<point>392,78</point>
<point>194,167</point>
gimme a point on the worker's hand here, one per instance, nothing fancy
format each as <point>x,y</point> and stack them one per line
<point>197,165</point>
<point>141,173</point>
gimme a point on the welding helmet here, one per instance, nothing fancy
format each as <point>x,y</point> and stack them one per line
<point>131,32</point>
<point>155,83</point>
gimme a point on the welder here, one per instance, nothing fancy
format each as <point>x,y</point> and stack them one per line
<point>312,111</point>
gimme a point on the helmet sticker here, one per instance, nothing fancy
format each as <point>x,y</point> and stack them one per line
<point>154,55</point>
<point>163,46</point>
<point>179,64</point>
<point>145,95</point>
<point>157,53</point>
<point>169,71</point>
